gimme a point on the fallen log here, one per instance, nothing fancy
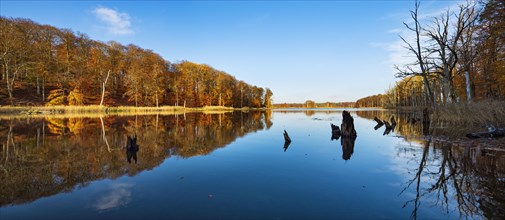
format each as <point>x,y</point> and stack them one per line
<point>492,132</point>
<point>388,126</point>
<point>387,131</point>
<point>379,122</point>
<point>347,127</point>
<point>378,126</point>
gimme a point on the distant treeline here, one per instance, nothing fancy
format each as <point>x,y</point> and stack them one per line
<point>461,59</point>
<point>44,65</point>
<point>312,104</point>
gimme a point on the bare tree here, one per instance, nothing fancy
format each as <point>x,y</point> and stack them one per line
<point>420,54</point>
<point>445,44</point>
<point>103,87</point>
<point>467,49</point>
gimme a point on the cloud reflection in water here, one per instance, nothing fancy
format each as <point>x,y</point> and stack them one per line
<point>119,195</point>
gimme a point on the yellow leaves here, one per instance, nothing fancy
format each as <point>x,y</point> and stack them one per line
<point>56,125</point>
<point>59,97</point>
<point>56,97</point>
<point>75,97</point>
<point>76,125</point>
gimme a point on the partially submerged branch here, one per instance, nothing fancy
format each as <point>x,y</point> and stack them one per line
<point>490,133</point>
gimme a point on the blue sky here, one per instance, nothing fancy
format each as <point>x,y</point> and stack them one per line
<point>324,51</point>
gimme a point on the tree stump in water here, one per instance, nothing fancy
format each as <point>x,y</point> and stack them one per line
<point>347,127</point>
<point>335,132</point>
<point>286,137</point>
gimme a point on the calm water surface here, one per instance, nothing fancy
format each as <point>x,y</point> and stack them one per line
<point>236,166</point>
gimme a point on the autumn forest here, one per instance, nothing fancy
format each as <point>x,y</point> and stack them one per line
<point>459,56</point>
<point>45,65</point>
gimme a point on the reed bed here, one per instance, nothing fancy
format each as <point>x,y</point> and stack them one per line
<point>478,113</point>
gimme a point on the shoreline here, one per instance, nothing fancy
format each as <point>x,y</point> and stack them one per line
<point>99,111</point>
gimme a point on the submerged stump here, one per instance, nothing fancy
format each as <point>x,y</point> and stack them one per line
<point>286,137</point>
<point>347,127</point>
<point>335,132</point>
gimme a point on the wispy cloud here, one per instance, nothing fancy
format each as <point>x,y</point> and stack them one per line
<point>394,31</point>
<point>117,23</point>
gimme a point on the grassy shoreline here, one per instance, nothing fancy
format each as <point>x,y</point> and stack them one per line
<point>96,110</point>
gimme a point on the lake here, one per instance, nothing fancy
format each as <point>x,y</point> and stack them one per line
<point>236,166</point>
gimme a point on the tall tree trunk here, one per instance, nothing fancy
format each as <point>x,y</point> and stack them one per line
<point>10,83</point>
<point>435,95</point>
<point>468,86</point>
<point>176,96</point>
<point>157,93</point>
<point>428,91</point>
<point>136,96</point>
<point>157,97</point>
<point>103,87</point>
<point>38,86</point>
<point>103,135</point>
<point>43,89</point>
<point>447,90</point>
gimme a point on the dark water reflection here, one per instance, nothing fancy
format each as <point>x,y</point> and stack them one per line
<point>46,156</point>
<point>85,168</point>
<point>460,175</point>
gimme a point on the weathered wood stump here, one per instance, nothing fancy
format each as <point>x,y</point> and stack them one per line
<point>347,126</point>
<point>335,132</point>
<point>286,137</point>
<point>491,132</point>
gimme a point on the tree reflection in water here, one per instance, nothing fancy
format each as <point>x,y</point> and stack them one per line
<point>347,144</point>
<point>347,147</point>
<point>46,156</point>
<point>467,177</point>
<point>462,178</point>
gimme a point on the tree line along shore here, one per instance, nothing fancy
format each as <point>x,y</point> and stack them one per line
<point>458,65</point>
<point>42,65</point>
